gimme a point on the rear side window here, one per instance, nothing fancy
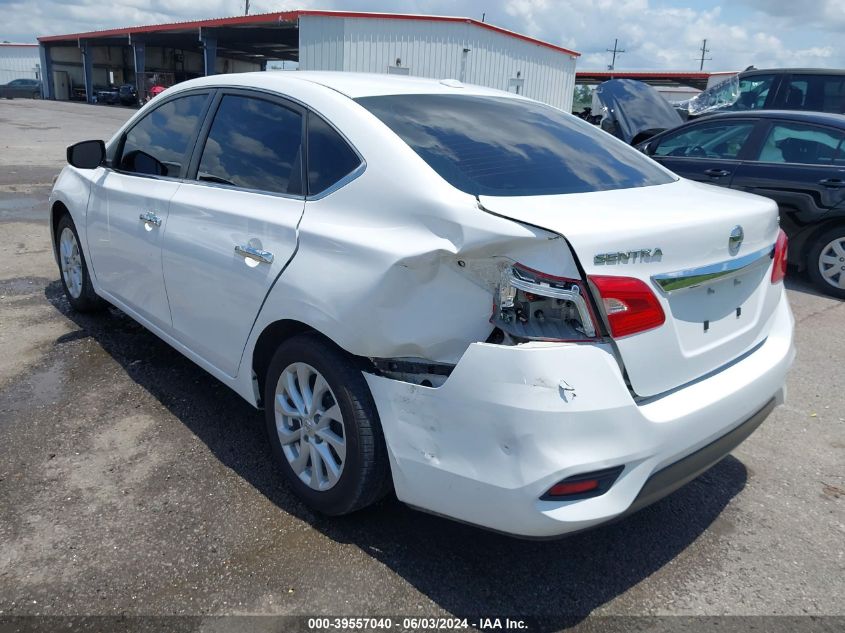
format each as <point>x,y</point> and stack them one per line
<point>713,140</point>
<point>820,93</point>
<point>158,143</point>
<point>329,156</point>
<point>498,146</point>
<point>254,144</point>
<point>804,144</point>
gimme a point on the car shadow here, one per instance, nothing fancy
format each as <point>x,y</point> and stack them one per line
<point>798,281</point>
<point>463,569</point>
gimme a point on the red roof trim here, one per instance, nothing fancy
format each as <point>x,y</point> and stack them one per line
<point>291,16</point>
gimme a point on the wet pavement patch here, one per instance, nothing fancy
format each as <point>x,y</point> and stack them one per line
<point>22,286</point>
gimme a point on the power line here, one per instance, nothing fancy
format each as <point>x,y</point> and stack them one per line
<point>704,51</point>
<point>616,51</point>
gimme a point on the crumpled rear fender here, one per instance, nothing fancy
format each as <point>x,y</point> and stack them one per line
<point>417,282</point>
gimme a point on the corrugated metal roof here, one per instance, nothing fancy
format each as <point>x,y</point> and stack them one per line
<point>290,16</point>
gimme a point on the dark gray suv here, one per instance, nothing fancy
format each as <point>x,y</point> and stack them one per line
<point>810,89</point>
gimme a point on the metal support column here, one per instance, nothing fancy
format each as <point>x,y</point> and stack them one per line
<point>88,70</point>
<point>139,58</point>
<point>47,91</point>
<point>209,51</point>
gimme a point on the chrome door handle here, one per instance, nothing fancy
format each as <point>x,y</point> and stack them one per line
<point>254,253</point>
<point>150,217</point>
<point>717,173</point>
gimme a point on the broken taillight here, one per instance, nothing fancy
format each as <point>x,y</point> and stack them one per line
<point>630,305</point>
<point>533,306</point>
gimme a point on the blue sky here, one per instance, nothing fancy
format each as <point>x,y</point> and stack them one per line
<point>654,33</point>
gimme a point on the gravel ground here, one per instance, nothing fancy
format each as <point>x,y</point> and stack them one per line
<point>131,482</point>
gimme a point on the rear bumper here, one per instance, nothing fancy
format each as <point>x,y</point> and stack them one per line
<point>512,421</point>
<point>669,479</point>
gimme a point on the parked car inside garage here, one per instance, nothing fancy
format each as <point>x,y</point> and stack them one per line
<point>795,158</point>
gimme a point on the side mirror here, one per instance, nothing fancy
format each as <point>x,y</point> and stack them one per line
<point>86,154</point>
<point>648,149</point>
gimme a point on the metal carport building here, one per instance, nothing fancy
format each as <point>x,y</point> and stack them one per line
<point>422,45</point>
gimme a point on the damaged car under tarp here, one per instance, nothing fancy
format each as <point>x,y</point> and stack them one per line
<point>634,111</point>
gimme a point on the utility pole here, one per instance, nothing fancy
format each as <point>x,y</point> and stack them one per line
<point>704,51</point>
<point>615,50</point>
<point>246,8</point>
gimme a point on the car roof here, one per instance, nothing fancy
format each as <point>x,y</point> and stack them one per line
<point>802,116</point>
<point>353,85</point>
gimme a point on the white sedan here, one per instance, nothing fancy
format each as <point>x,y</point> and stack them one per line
<point>485,304</point>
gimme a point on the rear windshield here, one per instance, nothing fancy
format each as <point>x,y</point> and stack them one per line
<point>498,146</point>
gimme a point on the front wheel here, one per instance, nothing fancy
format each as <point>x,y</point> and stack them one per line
<point>826,262</point>
<point>76,279</point>
<point>324,428</point>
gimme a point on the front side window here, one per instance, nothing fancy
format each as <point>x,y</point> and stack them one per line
<point>753,92</point>
<point>158,143</point>
<point>805,144</point>
<point>714,140</point>
<point>329,156</point>
<point>499,146</point>
<point>254,144</point>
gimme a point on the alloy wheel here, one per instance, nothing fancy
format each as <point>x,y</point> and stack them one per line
<point>832,263</point>
<point>310,426</point>
<point>70,261</point>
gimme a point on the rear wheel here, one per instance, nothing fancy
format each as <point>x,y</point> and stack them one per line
<point>324,428</point>
<point>826,262</point>
<point>76,280</point>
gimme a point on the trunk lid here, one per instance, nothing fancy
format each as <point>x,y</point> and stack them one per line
<point>709,323</point>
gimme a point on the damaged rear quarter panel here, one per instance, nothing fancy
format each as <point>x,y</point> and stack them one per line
<point>398,263</point>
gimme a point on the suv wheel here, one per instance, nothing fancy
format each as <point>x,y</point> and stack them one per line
<point>324,428</point>
<point>826,262</point>
<point>76,280</point>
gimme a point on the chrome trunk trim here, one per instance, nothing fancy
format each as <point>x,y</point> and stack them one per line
<point>693,277</point>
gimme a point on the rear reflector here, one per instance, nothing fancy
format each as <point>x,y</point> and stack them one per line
<point>779,265</point>
<point>583,486</point>
<point>630,305</point>
<point>566,488</point>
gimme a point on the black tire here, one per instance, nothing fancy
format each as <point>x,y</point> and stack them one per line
<point>365,477</point>
<point>87,301</point>
<point>814,254</point>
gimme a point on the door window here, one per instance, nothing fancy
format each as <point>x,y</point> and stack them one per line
<point>721,141</point>
<point>158,143</point>
<point>254,144</point>
<point>329,156</point>
<point>805,144</point>
<point>753,91</point>
<point>820,93</point>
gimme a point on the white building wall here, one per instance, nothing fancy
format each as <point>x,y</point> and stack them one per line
<point>18,62</point>
<point>435,49</point>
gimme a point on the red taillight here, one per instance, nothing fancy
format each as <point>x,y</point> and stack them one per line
<point>629,303</point>
<point>779,264</point>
